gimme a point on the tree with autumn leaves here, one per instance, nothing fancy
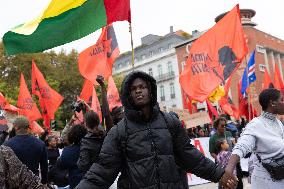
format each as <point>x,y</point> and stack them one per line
<point>59,69</point>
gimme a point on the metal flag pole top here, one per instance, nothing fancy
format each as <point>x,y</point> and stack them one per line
<point>132,48</point>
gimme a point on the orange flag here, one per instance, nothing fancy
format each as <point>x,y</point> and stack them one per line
<point>49,98</point>
<point>96,104</point>
<point>226,103</point>
<point>26,105</point>
<point>89,95</point>
<point>112,94</point>
<point>267,83</point>
<point>36,128</point>
<point>87,92</point>
<point>214,57</point>
<point>211,110</point>
<point>99,58</point>
<point>278,82</point>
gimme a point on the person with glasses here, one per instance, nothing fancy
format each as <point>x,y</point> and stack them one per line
<point>221,134</point>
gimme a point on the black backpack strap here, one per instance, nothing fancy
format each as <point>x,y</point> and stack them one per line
<point>170,122</point>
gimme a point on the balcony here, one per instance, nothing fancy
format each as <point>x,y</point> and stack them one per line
<point>166,76</point>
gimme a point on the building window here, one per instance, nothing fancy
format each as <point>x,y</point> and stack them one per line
<point>170,68</point>
<point>143,56</point>
<point>174,106</point>
<point>262,67</point>
<point>260,49</point>
<point>162,93</point>
<point>151,53</point>
<point>160,70</point>
<point>170,46</point>
<point>160,49</point>
<point>172,88</point>
<point>150,71</point>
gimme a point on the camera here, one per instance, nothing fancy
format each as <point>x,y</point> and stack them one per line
<point>77,106</point>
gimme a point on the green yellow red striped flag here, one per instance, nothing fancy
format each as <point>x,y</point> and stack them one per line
<point>63,22</point>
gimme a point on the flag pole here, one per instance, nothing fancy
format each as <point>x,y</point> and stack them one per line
<point>132,48</point>
<point>249,98</point>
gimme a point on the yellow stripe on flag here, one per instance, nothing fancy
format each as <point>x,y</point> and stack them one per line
<point>55,8</point>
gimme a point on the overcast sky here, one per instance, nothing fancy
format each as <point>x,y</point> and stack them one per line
<point>155,17</point>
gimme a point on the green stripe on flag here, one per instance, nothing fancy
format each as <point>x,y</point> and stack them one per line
<point>51,32</point>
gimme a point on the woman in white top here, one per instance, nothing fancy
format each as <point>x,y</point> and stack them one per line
<point>264,136</point>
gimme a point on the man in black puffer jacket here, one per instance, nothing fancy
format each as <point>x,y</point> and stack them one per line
<point>150,150</point>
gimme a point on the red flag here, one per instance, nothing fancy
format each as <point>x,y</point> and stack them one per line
<point>211,110</point>
<point>214,57</point>
<point>112,94</point>
<point>26,105</point>
<point>245,108</point>
<point>226,103</point>
<point>99,58</point>
<point>278,82</point>
<point>3,101</point>
<point>267,83</point>
<point>87,92</point>
<point>51,100</point>
<point>96,104</point>
<point>36,128</point>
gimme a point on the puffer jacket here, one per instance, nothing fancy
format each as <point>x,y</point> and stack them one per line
<point>153,157</point>
<point>89,150</point>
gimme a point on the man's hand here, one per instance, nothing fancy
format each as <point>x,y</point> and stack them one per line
<point>100,80</point>
<point>228,180</point>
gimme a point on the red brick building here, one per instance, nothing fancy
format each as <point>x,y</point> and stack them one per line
<point>269,51</point>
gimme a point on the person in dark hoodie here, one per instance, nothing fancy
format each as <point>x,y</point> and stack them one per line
<point>149,147</point>
<point>92,142</point>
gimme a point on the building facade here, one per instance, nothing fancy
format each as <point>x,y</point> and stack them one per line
<point>157,57</point>
<point>269,51</point>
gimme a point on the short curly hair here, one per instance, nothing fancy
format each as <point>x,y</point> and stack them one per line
<point>266,95</point>
<point>218,120</point>
<point>76,133</point>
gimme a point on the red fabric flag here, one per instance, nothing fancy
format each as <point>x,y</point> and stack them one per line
<point>214,57</point>
<point>3,101</point>
<point>245,108</point>
<point>26,105</point>
<point>99,58</point>
<point>4,104</point>
<point>112,94</point>
<point>45,116</point>
<point>96,104</point>
<point>211,110</point>
<point>267,83</point>
<point>226,103</point>
<point>51,100</point>
<point>36,128</point>
<point>87,92</point>
<point>278,82</point>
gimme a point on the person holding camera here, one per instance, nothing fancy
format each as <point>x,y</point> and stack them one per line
<point>91,143</point>
<point>264,136</point>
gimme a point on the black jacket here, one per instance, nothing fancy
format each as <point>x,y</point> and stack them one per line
<point>155,159</point>
<point>89,150</point>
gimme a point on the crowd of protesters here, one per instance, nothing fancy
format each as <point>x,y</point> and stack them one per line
<point>143,146</point>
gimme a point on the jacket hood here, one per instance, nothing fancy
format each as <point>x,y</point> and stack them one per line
<point>125,92</point>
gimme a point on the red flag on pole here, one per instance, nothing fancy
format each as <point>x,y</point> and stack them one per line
<point>49,98</point>
<point>99,58</point>
<point>112,94</point>
<point>87,92</point>
<point>211,110</point>
<point>267,83</point>
<point>214,57</point>
<point>278,82</point>
<point>96,104</point>
<point>226,103</point>
<point>26,105</point>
